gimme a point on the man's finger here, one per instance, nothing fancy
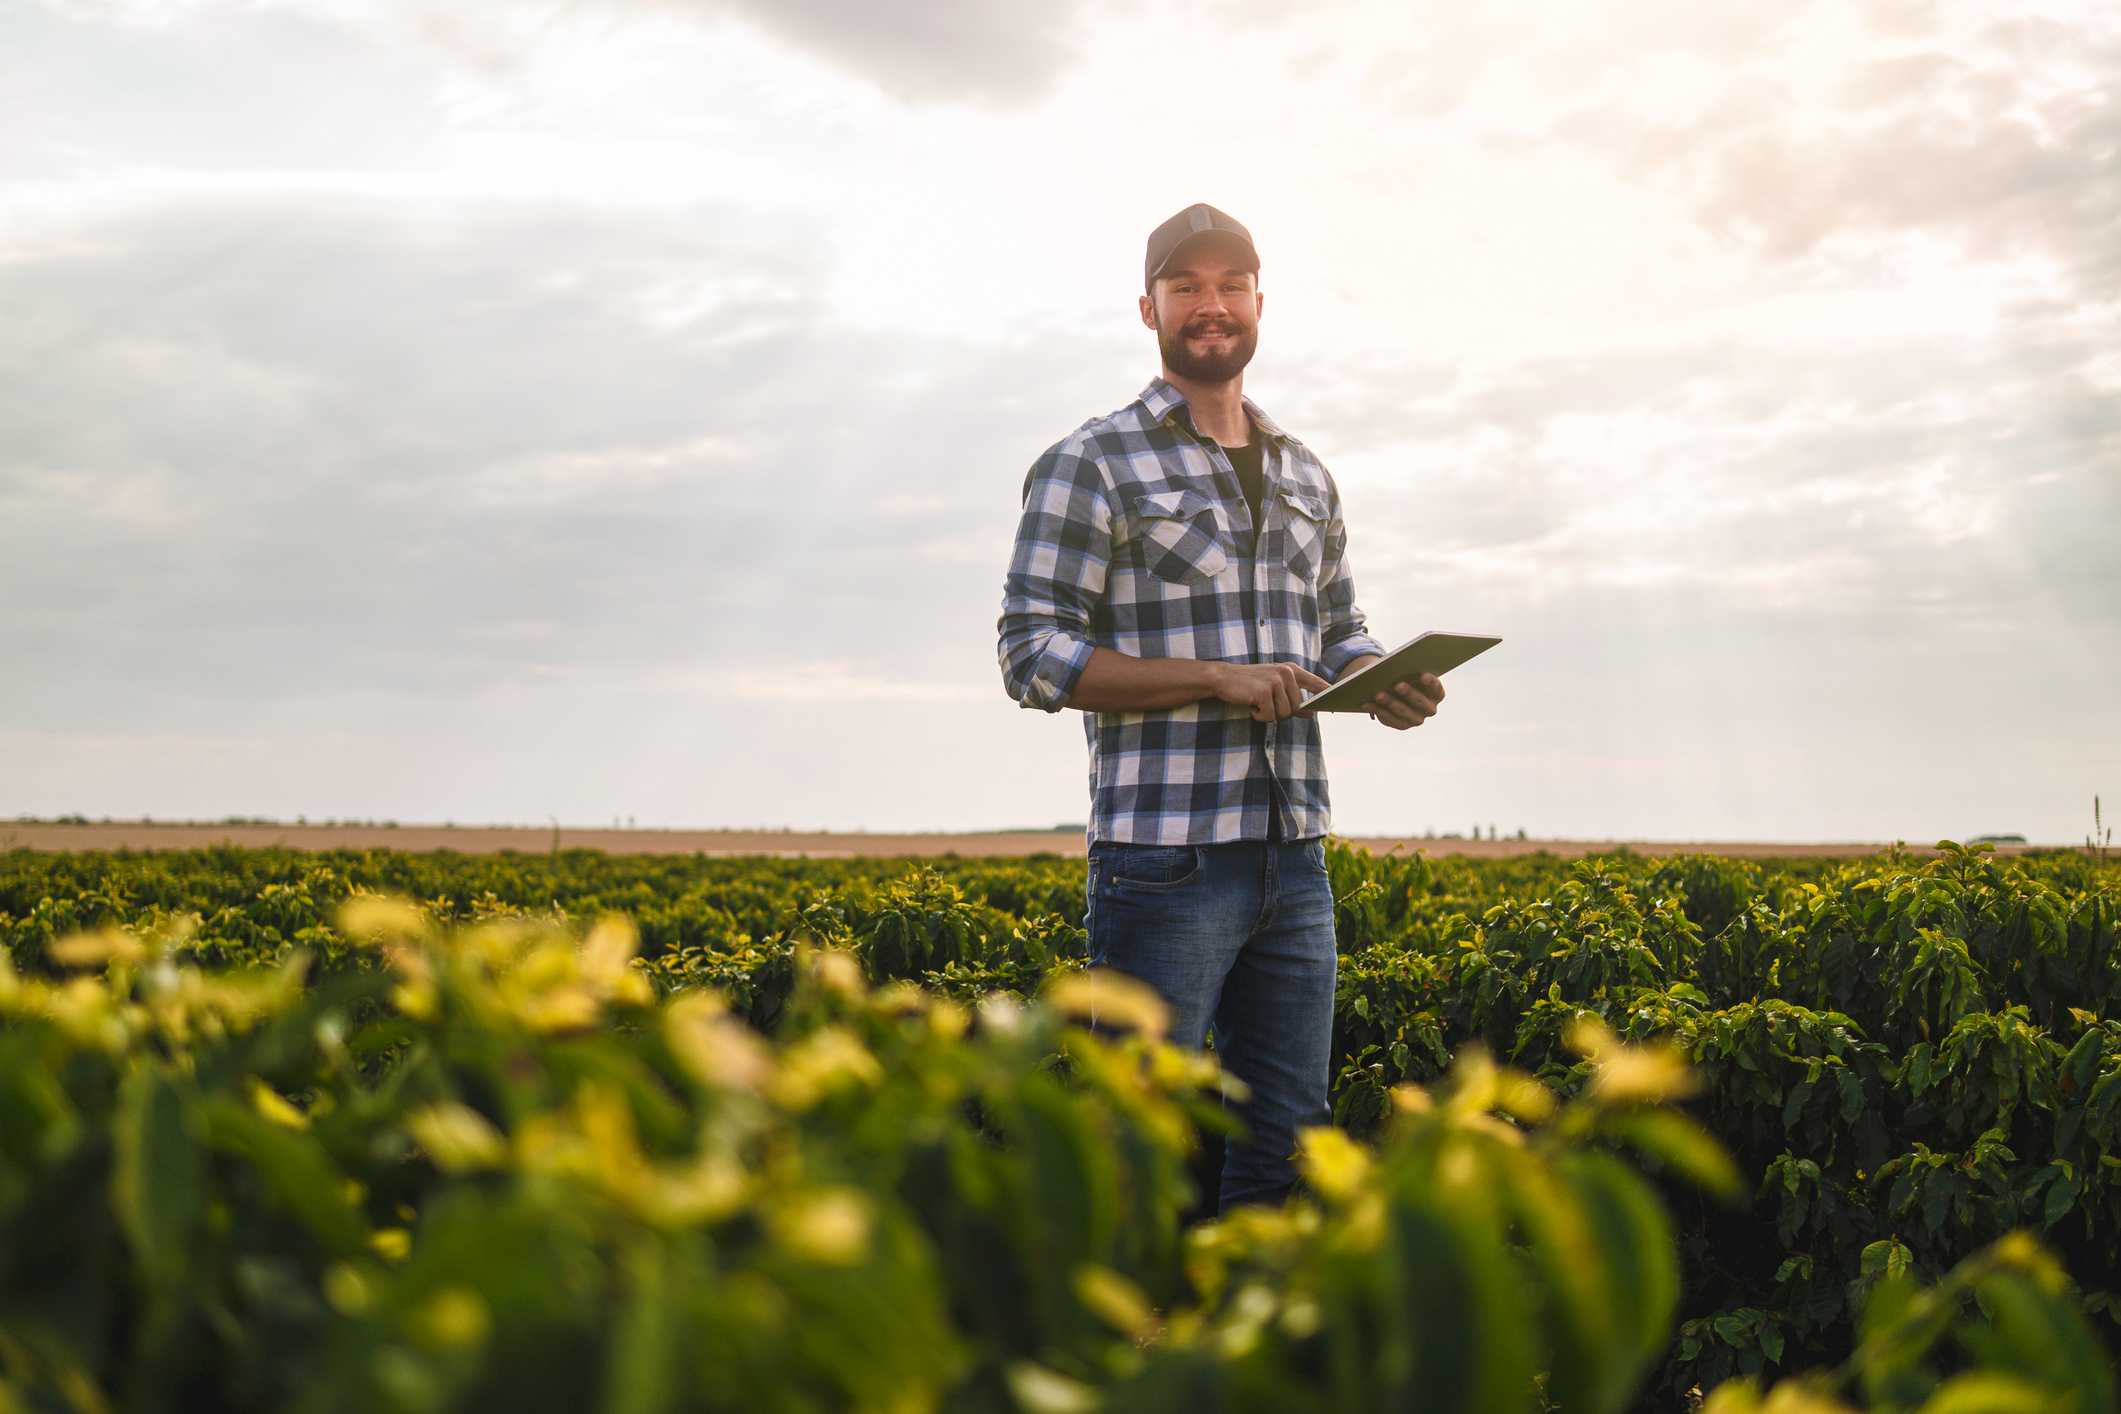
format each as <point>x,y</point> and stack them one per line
<point>1399,711</point>
<point>1293,682</point>
<point>1390,702</point>
<point>1416,700</point>
<point>1402,718</point>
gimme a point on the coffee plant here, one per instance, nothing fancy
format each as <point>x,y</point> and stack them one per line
<point>378,1130</point>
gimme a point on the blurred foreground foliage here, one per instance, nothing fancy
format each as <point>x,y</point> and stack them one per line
<point>509,1162</point>
<point>1903,1058</point>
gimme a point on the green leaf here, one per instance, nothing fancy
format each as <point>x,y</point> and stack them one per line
<point>294,1166</point>
<point>1793,1104</point>
<point>1680,1142</point>
<point>2061,1197</point>
<point>1461,1309</point>
<point>1916,1069</point>
<point>2081,1066</point>
<point>1635,1236</point>
<point>1990,1392</point>
<point>1885,1257</point>
<point>1581,1311</point>
<point>1900,1322</point>
<point>1039,1390</point>
<point>2041,1334</point>
<point>642,1370</point>
<point>1851,1094</point>
<point>158,1184</point>
<point>1738,1395</point>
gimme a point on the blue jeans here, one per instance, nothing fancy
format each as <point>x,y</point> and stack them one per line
<point>1240,935</point>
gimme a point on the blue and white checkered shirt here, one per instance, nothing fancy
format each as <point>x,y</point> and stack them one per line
<point>1135,537</point>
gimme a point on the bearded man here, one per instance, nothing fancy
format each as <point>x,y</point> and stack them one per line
<point>1180,576</point>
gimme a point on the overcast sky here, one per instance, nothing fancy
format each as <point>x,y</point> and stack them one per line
<point>420,410</point>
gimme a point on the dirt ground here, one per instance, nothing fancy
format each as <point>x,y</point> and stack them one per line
<point>477,839</point>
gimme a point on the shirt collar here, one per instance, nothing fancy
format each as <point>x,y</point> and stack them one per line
<point>1163,400</point>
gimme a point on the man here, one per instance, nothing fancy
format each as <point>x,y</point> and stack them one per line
<point>1180,574</point>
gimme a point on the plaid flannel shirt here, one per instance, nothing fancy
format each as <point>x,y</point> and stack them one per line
<point>1134,536</point>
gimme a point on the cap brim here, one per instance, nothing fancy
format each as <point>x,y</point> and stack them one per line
<point>1230,236</point>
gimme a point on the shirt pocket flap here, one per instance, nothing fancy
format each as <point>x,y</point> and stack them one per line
<point>1181,505</point>
<point>1181,542</point>
<point>1305,502</point>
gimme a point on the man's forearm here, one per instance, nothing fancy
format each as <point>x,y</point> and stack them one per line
<point>1113,681</point>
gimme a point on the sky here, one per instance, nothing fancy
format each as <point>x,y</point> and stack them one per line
<point>528,410</point>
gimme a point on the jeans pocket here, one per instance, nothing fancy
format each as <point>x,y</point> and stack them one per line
<point>1153,866</point>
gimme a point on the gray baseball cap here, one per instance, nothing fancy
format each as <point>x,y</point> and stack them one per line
<point>1197,219</point>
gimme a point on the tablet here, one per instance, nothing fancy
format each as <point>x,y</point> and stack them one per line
<point>1433,652</point>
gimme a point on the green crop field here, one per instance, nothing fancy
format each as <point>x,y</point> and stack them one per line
<point>381,1130</point>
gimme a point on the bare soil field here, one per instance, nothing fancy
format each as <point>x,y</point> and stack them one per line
<point>482,839</point>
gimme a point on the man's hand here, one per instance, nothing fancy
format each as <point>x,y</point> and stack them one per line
<point>1405,705</point>
<point>1271,690</point>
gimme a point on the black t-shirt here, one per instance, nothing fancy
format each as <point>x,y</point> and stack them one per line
<point>1246,461</point>
<point>1251,478</point>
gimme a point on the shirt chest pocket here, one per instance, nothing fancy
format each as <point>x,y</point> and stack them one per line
<point>1179,540</point>
<point>1303,522</point>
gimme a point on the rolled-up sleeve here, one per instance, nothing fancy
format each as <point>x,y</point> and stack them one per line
<point>1056,578</point>
<point>1344,636</point>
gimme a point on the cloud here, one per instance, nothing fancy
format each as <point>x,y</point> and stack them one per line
<point>602,476</point>
<point>1931,485</point>
<point>592,387</point>
<point>370,450</point>
<point>988,53</point>
<point>841,681</point>
<point>1999,138</point>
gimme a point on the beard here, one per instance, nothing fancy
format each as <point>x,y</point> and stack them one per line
<point>1217,363</point>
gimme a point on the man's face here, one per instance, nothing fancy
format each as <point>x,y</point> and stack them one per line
<point>1206,312</point>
